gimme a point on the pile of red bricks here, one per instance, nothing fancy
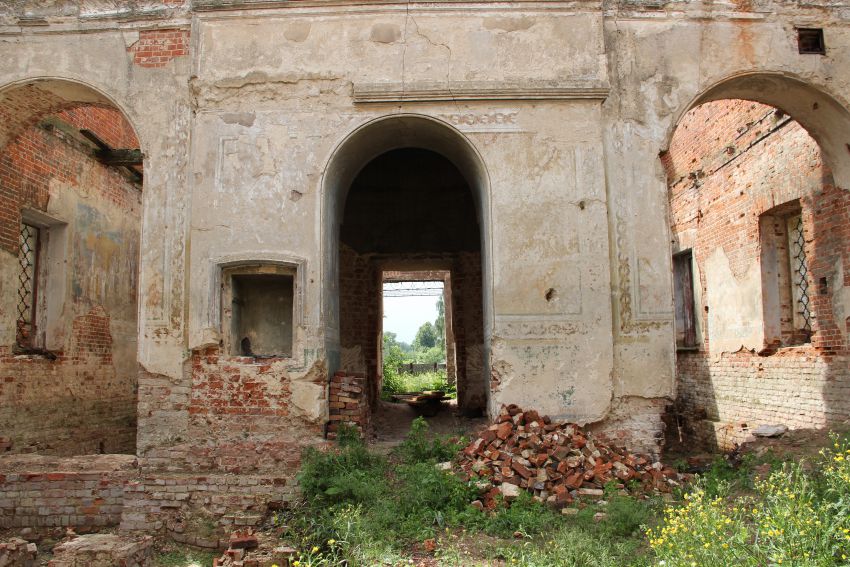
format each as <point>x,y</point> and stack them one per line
<point>246,549</point>
<point>557,462</point>
<point>348,403</point>
<point>103,550</point>
<point>18,552</point>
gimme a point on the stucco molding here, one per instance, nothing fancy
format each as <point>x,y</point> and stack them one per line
<point>218,264</point>
<point>364,93</point>
<point>225,5</point>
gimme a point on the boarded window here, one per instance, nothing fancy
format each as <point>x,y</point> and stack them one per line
<point>258,310</point>
<point>683,295</point>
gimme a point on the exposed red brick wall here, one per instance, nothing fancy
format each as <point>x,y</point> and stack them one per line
<point>83,400</point>
<point>235,386</point>
<point>75,404</point>
<point>108,123</point>
<point>468,327</point>
<point>22,107</point>
<point>202,510</point>
<point>241,417</point>
<point>37,158</point>
<point>728,164</point>
<point>726,398</point>
<point>156,48</point>
<point>359,315</point>
<point>360,281</point>
<point>40,493</point>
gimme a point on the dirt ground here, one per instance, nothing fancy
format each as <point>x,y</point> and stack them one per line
<point>391,422</point>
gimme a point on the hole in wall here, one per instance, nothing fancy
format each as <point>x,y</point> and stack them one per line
<point>551,294</point>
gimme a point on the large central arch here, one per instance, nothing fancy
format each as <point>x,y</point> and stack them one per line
<point>360,147</point>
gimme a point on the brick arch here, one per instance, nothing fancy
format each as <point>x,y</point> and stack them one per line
<point>73,361</point>
<point>821,114</point>
<point>24,103</point>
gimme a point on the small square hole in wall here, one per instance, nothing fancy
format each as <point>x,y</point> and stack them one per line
<point>259,307</point>
<point>810,41</point>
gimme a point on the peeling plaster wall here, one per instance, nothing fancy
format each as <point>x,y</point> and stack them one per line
<point>97,66</point>
<point>730,163</point>
<point>662,58</point>
<point>82,399</point>
<point>264,135</point>
<point>241,113</point>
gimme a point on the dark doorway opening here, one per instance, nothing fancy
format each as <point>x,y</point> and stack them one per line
<point>411,211</point>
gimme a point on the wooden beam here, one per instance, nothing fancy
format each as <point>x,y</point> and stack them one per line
<point>127,159</point>
<point>93,138</point>
<point>119,157</point>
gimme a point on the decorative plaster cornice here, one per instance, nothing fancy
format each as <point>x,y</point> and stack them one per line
<point>396,92</point>
<point>218,5</point>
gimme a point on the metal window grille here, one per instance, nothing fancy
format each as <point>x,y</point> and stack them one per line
<point>27,281</point>
<point>799,272</point>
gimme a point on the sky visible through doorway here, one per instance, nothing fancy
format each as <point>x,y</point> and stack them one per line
<point>407,305</point>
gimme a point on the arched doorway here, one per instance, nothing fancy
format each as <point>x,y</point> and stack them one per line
<point>760,254</point>
<point>406,194</point>
<point>71,176</point>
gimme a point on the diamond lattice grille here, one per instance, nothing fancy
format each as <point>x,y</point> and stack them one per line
<point>27,257</point>
<point>800,269</point>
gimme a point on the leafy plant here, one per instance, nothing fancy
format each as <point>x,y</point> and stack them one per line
<point>346,473</point>
<point>420,445</point>
<point>405,382</point>
<point>795,517</point>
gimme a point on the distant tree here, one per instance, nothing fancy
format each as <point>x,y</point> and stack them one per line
<point>390,338</point>
<point>393,355</point>
<point>431,355</point>
<point>440,323</point>
<point>426,337</point>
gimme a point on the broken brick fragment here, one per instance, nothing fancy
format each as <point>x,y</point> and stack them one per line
<point>555,461</point>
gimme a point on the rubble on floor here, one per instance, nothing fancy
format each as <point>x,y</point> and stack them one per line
<point>103,550</point>
<point>17,552</point>
<point>250,549</point>
<point>557,462</point>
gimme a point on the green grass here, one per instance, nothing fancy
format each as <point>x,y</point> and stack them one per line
<point>405,382</point>
<point>185,558</point>
<point>361,508</point>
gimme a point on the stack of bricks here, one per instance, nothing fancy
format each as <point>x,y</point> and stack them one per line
<point>103,550</point>
<point>348,403</point>
<point>18,552</point>
<point>64,493</point>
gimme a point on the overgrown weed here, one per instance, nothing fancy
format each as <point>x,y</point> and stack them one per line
<point>798,515</point>
<point>361,508</point>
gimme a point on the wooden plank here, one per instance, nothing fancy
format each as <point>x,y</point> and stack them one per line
<point>120,157</point>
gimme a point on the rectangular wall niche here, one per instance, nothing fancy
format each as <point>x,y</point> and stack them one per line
<point>257,309</point>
